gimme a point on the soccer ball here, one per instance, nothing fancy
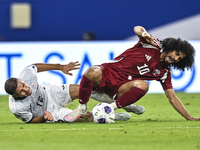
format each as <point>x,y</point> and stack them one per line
<point>103,113</point>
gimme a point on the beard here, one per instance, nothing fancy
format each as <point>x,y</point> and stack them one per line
<point>166,63</point>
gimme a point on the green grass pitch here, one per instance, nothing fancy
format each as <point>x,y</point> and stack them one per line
<point>159,128</point>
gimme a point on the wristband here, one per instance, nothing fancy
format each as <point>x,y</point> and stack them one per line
<point>143,33</point>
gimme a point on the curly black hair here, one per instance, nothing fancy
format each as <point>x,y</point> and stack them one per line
<point>183,46</point>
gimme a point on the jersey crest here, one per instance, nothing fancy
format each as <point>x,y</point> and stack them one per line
<point>156,72</point>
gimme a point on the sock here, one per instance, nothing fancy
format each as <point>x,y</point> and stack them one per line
<point>114,105</point>
<point>130,97</point>
<point>85,90</point>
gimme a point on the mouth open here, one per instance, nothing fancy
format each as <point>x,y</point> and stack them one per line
<point>171,59</point>
<point>29,91</point>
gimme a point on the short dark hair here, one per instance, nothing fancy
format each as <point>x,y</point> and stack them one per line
<point>11,85</point>
<point>183,46</point>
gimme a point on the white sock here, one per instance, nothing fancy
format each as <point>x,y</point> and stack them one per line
<point>114,105</point>
<point>82,105</point>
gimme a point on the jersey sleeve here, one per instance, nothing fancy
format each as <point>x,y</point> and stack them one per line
<point>166,83</point>
<point>20,110</point>
<point>28,72</point>
<point>143,40</point>
<point>25,116</point>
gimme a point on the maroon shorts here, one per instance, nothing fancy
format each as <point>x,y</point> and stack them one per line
<point>111,80</point>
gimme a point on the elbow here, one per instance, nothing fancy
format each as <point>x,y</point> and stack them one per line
<point>30,121</point>
<point>137,28</point>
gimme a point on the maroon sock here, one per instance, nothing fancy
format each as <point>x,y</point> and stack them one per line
<point>85,90</point>
<point>130,97</point>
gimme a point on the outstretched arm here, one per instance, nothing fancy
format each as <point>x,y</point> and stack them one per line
<point>177,104</point>
<point>64,68</point>
<point>141,32</point>
<point>49,117</point>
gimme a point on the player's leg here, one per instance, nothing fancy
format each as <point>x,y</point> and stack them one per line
<point>61,95</point>
<point>74,91</point>
<point>123,116</point>
<point>130,92</point>
<point>91,78</point>
<point>87,117</point>
<point>104,98</point>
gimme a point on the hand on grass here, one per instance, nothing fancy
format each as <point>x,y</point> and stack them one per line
<point>48,116</point>
<point>195,119</point>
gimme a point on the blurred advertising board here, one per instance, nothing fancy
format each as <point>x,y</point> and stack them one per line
<point>14,56</point>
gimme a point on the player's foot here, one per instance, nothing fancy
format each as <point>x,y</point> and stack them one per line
<point>135,109</point>
<point>71,117</point>
<point>123,116</point>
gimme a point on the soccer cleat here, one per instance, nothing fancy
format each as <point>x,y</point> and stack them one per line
<point>135,109</point>
<point>77,113</point>
<point>123,116</point>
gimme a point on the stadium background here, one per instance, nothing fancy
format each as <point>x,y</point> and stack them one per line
<point>55,29</point>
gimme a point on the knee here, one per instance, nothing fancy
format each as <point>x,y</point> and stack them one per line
<point>145,86</point>
<point>92,73</point>
<point>142,85</point>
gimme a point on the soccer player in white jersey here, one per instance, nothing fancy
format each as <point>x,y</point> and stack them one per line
<point>32,102</point>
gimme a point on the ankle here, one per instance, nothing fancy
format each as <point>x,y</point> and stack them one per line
<point>82,105</point>
<point>114,105</point>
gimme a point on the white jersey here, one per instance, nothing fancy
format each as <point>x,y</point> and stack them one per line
<point>44,97</point>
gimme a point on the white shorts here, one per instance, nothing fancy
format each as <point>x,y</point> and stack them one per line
<point>58,97</point>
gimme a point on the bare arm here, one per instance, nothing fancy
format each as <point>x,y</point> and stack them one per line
<point>41,119</point>
<point>38,119</point>
<point>49,117</point>
<point>177,104</point>
<point>141,32</point>
<point>64,68</point>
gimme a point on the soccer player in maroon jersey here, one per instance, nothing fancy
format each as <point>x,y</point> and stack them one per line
<point>124,77</point>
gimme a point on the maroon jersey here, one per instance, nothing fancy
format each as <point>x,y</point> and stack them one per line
<point>141,62</point>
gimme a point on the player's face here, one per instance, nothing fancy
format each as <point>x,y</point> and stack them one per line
<point>173,57</point>
<point>22,89</point>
